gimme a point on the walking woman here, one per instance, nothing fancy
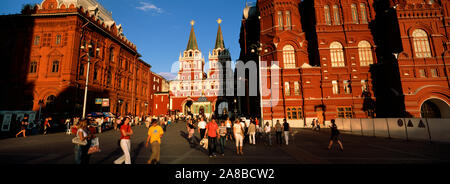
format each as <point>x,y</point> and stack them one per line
<point>252,133</point>
<point>335,135</point>
<point>23,126</point>
<point>47,125</point>
<point>125,143</point>
<point>81,152</point>
<point>191,130</point>
<point>155,133</point>
<point>228,123</point>
<point>238,136</point>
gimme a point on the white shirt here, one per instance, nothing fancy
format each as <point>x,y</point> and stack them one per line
<point>228,124</point>
<point>202,124</point>
<point>84,132</point>
<point>242,124</point>
<point>237,129</point>
<point>247,123</point>
<point>267,129</point>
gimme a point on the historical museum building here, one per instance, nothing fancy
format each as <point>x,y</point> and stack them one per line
<point>195,92</point>
<point>49,49</point>
<point>350,58</point>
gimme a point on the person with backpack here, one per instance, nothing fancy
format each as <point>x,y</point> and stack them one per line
<point>335,136</point>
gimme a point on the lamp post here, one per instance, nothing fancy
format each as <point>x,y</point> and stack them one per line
<point>87,77</point>
<point>260,77</point>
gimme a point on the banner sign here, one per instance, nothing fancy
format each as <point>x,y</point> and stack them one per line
<point>105,102</point>
<point>98,101</point>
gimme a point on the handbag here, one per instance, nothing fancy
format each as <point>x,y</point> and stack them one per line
<point>95,146</point>
<point>77,140</point>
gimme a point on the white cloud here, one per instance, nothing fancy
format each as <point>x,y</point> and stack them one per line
<point>168,76</point>
<point>145,6</point>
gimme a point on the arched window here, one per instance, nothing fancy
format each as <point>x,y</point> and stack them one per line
<point>33,67</point>
<point>337,55</point>
<point>336,15</point>
<point>355,14</point>
<point>421,44</point>
<point>365,53</point>
<point>288,20</point>
<point>287,89</point>
<point>327,15</point>
<point>289,56</point>
<point>55,66</point>
<point>363,13</point>
<point>280,20</point>
<point>111,54</point>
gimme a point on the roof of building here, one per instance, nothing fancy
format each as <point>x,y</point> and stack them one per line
<point>219,39</point>
<point>192,44</point>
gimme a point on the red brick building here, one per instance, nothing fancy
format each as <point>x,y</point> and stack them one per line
<point>352,58</point>
<point>46,49</point>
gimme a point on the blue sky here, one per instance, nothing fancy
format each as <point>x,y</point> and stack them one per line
<point>160,28</point>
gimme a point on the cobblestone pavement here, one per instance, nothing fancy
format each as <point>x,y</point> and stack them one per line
<point>305,147</point>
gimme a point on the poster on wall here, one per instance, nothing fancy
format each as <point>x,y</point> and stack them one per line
<point>105,102</point>
<point>6,122</point>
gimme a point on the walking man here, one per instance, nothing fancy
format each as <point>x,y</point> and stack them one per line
<point>155,133</point>
<point>212,130</point>
<point>287,131</point>
<point>278,131</point>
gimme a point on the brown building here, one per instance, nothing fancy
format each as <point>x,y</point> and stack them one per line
<point>351,58</point>
<point>45,53</point>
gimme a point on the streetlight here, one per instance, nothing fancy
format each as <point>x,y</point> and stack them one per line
<point>87,77</point>
<point>260,78</point>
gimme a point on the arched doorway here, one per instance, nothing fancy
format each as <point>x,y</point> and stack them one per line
<point>222,109</point>
<point>435,108</point>
<point>187,107</point>
<point>201,110</point>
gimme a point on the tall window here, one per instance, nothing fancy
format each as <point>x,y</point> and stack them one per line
<point>365,53</point>
<point>81,69</point>
<point>296,88</point>
<point>337,55</point>
<point>109,77</point>
<point>347,87</point>
<point>33,67</point>
<point>364,85</point>
<point>280,20</point>
<point>421,44</point>
<point>288,20</point>
<point>363,13</point>
<point>287,89</point>
<point>355,14</point>
<point>55,66</point>
<point>337,20</point>
<point>111,54</point>
<point>335,87</point>
<point>327,15</point>
<point>37,39</point>
<point>422,73</point>
<point>58,39</point>
<point>345,112</point>
<point>434,72</point>
<point>95,73</point>
<point>289,56</point>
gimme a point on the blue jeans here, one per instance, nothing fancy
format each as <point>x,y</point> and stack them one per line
<point>269,138</point>
<point>222,144</point>
<point>77,153</point>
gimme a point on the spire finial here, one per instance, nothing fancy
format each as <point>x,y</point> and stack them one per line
<point>192,22</point>
<point>219,21</point>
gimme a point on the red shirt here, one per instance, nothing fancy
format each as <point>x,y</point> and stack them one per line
<point>126,128</point>
<point>256,121</point>
<point>212,129</point>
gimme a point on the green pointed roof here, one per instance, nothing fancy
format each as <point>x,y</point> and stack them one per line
<point>192,44</point>
<point>219,39</point>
